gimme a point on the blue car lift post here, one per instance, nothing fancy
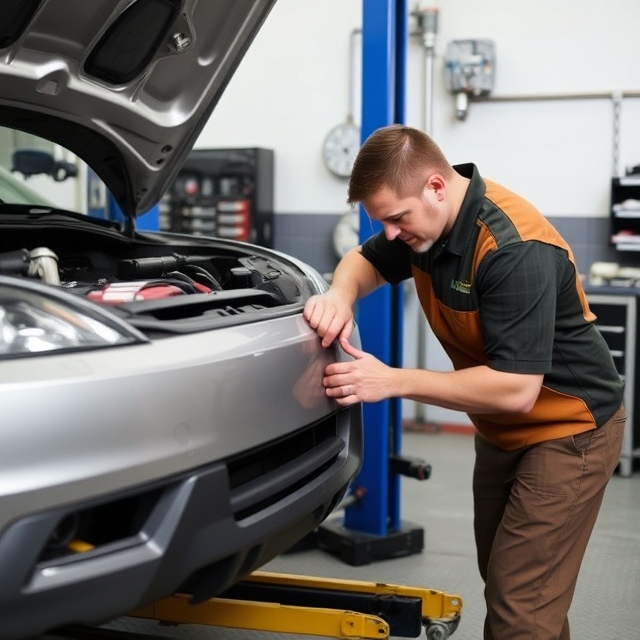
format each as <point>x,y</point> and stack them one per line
<point>372,528</point>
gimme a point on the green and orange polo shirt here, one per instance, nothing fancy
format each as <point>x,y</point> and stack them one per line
<point>503,290</point>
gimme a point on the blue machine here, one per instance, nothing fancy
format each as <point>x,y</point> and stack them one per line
<point>372,527</point>
<point>102,204</point>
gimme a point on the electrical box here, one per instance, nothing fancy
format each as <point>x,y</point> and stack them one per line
<point>470,66</point>
<point>470,71</point>
<point>227,193</point>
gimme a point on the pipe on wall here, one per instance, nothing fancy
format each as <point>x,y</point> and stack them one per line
<point>615,96</point>
<point>427,20</point>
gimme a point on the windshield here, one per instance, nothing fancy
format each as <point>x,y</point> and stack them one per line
<point>15,191</point>
<point>34,171</point>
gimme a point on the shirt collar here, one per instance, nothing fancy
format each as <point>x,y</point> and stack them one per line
<point>464,224</point>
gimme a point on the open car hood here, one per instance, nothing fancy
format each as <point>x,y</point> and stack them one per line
<point>126,85</point>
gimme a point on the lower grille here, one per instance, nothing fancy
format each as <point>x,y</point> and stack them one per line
<point>270,473</point>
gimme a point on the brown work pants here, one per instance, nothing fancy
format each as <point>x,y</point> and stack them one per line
<point>535,509</point>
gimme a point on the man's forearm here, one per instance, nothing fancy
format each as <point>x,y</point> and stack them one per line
<point>474,390</point>
<point>355,277</point>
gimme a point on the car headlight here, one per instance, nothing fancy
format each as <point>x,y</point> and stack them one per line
<point>36,319</point>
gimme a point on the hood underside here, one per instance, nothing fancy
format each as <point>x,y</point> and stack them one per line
<point>126,85</point>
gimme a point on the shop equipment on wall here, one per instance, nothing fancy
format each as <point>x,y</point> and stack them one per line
<point>226,193</point>
<point>470,71</point>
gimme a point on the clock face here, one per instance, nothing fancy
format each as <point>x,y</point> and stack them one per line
<point>340,149</point>
<point>346,233</point>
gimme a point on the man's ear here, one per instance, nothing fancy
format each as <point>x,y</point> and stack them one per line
<point>436,183</point>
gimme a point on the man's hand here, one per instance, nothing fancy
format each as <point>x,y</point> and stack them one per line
<point>330,316</point>
<point>364,379</point>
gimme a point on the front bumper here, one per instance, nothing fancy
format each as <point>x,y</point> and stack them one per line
<point>198,532</point>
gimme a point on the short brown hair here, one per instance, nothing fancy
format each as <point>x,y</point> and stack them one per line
<point>397,157</point>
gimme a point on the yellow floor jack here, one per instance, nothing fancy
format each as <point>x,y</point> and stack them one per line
<point>286,603</point>
<point>304,605</point>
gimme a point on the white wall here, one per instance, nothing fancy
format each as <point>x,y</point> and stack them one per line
<point>293,86</point>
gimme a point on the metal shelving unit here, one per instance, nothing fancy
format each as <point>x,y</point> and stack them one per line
<point>617,322</point>
<point>625,213</point>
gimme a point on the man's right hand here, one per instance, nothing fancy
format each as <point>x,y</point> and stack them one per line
<point>330,316</point>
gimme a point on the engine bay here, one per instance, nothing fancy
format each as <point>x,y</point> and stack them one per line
<point>158,281</point>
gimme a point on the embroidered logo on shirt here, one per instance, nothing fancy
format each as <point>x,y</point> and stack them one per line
<point>460,286</point>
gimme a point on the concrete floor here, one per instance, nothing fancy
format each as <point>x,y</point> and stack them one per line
<point>607,599</point>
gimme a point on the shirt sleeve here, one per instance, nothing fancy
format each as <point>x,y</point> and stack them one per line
<point>391,258</point>
<point>517,288</point>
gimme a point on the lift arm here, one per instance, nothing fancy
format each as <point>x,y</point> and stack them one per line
<point>317,606</point>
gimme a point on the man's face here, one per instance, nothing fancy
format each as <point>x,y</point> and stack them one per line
<point>419,221</point>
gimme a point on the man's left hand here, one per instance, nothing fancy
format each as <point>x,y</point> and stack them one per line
<point>363,379</point>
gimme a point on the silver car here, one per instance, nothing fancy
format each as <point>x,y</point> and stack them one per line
<point>163,424</point>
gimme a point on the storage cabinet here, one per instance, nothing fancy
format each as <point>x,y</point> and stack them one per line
<point>625,213</point>
<point>226,193</point>
<point>618,323</point>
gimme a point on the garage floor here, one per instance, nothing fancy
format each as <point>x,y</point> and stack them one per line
<point>607,600</point>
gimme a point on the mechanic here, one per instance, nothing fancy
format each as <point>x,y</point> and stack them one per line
<point>501,291</point>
